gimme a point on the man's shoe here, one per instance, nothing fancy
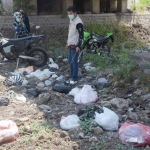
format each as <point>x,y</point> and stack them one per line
<point>72,82</point>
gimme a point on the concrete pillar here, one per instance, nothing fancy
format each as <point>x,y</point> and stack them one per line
<point>113,5</point>
<point>95,6</point>
<point>122,5</point>
<point>66,4</point>
<point>34,3</point>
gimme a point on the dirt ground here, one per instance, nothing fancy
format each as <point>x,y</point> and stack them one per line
<point>38,131</point>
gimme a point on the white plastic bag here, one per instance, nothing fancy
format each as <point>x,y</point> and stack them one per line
<point>85,95</point>
<point>53,64</point>
<point>69,122</point>
<point>74,91</point>
<point>8,131</point>
<point>41,75</point>
<point>108,120</point>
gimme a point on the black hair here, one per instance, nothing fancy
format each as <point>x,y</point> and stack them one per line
<point>72,8</point>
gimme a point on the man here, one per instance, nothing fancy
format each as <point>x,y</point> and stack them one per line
<point>25,20</point>
<point>75,37</point>
<point>19,26</point>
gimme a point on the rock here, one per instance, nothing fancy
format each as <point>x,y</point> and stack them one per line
<point>27,128</point>
<point>81,135</point>
<point>41,85</point>
<point>98,131</point>
<point>136,82</point>
<point>147,147</point>
<point>25,82</point>
<point>33,92</point>
<point>116,83</point>
<point>133,117</point>
<point>74,133</point>
<point>65,60</point>
<point>144,65</point>
<point>43,98</point>
<point>102,80</point>
<point>21,98</point>
<point>138,92</point>
<point>48,83</point>
<point>46,109</point>
<point>119,103</point>
<point>147,71</point>
<point>24,119</point>
<point>4,101</point>
<point>60,78</point>
<point>93,139</point>
<point>130,109</point>
<point>63,134</point>
<point>110,77</point>
<point>101,83</point>
<point>54,76</point>
<point>145,97</point>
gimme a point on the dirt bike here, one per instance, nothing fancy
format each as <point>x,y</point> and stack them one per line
<point>13,49</point>
<point>94,43</point>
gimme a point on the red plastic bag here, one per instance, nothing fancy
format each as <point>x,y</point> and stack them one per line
<point>8,131</point>
<point>135,134</point>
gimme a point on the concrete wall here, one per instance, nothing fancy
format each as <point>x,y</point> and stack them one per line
<point>57,21</point>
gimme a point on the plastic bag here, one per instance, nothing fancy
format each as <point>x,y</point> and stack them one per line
<point>8,131</point>
<point>108,120</point>
<point>85,95</point>
<point>135,134</point>
<point>53,64</point>
<point>41,75</point>
<point>74,91</point>
<point>69,122</point>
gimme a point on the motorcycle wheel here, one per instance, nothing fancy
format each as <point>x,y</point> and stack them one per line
<point>39,53</point>
<point>80,56</point>
<point>104,51</point>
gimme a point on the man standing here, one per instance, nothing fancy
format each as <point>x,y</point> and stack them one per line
<point>25,20</point>
<point>75,37</point>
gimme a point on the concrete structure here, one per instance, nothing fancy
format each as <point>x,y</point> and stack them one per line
<point>7,6</point>
<point>84,6</point>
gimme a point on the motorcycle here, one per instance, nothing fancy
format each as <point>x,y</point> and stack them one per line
<point>95,43</point>
<point>17,48</point>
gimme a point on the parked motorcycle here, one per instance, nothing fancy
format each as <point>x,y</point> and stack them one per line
<point>13,49</point>
<point>94,43</point>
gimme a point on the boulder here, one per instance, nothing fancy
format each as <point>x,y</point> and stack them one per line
<point>4,101</point>
<point>43,98</point>
<point>119,103</point>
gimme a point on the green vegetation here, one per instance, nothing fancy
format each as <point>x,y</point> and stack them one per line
<point>120,64</point>
<point>35,132</point>
<point>24,4</point>
<point>141,5</point>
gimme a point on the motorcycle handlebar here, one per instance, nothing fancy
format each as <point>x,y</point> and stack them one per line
<point>37,36</point>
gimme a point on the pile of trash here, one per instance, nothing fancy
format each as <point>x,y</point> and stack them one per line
<point>130,133</point>
<point>21,75</point>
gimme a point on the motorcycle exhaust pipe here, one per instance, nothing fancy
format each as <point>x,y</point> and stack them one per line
<point>27,57</point>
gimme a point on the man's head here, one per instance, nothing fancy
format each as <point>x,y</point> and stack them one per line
<point>22,12</point>
<point>18,16</point>
<point>72,12</point>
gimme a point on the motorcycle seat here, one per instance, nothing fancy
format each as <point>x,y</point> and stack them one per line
<point>19,39</point>
<point>101,37</point>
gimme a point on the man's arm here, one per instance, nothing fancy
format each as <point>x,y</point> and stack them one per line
<point>81,34</point>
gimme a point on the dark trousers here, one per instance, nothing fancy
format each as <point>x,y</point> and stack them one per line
<point>73,61</point>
